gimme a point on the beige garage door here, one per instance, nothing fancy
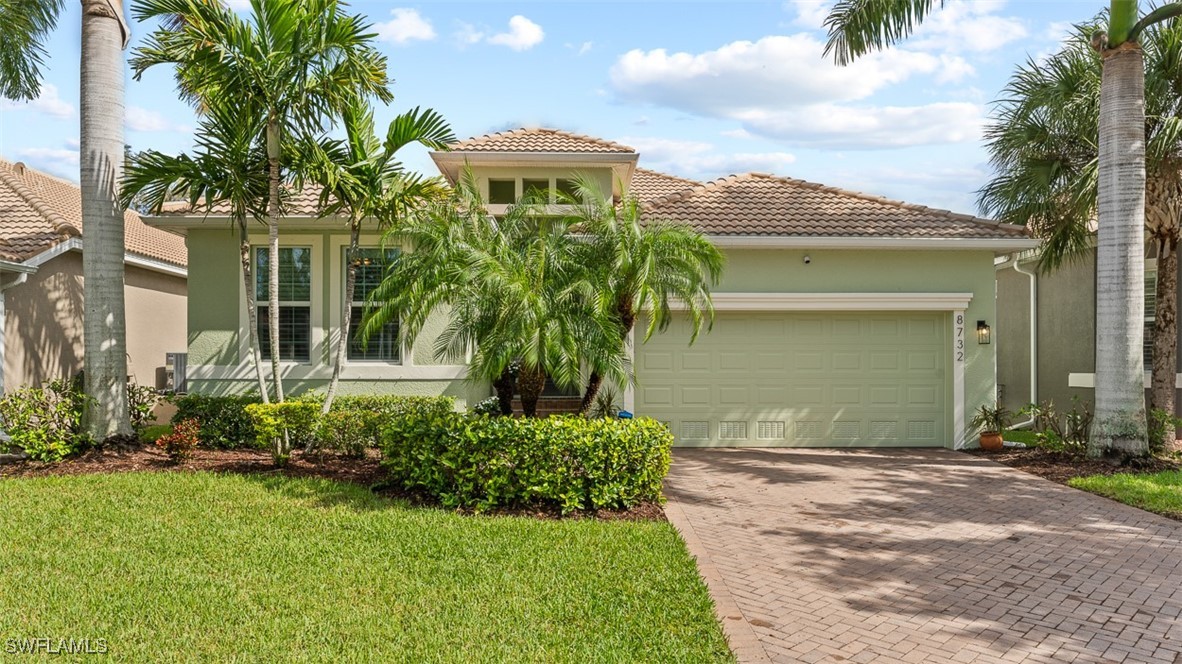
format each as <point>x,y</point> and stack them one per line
<point>800,380</point>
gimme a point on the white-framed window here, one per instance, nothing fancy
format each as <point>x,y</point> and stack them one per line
<point>295,302</point>
<point>383,346</point>
<point>507,191</point>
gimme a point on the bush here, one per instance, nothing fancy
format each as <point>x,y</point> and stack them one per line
<point>567,461</point>
<point>347,432</point>
<point>141,399</point>
<point>180,443</point>
<point>489,406</point>
<point>46,422</point>
<point>1062,432</point>
<point>282,425</point>
<point>154,432</point>
<point>355,422</point>
<point>223,420</point>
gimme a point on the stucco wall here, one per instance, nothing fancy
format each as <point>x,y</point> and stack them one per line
<point>43,324</point>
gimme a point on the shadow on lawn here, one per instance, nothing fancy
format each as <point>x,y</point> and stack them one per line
<point>936,540</point>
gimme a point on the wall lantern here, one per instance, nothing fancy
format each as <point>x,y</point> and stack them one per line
<point>983,334</point>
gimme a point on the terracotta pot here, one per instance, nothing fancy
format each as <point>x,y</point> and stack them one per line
<point>991,441</point>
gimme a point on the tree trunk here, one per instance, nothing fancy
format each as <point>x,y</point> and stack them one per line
<point>346,313</point>
<point>252,310</point>
<point>1120,267</point>
<point>1165,334</point>
<point>595,381</point>
<point>101,147</point>
<point>530,382</point>
<point>503,386</point>
<point>273,253</point>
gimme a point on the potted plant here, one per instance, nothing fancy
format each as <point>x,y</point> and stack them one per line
<point>990,422</point>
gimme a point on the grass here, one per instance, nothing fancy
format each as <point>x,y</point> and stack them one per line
<point>1022,436</point>
<point>201,566</point>
<point>1156,492</point>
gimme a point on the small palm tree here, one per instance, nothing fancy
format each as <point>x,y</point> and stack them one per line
<point>1044,149</point>
<point>362,178</point>
<point>641,265</point>
<point>298,62</point>
<point>228,166</point>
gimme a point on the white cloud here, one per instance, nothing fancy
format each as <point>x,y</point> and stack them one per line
<point>967,26</point>
<point>49,103</point>
<point>523,34</point>
<point>62,162</point>
<point>407,25</point>
<point>137,118</point>
<point>854,128</point>
<point>739,133</point>
<point>810,13</point>
<point>586,47</point>
<point>467,34</point>
<point>703,161</point>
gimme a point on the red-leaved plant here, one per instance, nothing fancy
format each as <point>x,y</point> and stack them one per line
<point>179,444</point>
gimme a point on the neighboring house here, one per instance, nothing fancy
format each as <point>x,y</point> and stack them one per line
<point>41,294</point>
<point>1063,343</point>
<point>843,319</point>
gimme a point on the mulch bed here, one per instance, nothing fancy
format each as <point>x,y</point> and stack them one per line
<point>363,471</point>
<point>1060,467</point>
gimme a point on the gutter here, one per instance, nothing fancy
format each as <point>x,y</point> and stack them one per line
<point>1033,340</point>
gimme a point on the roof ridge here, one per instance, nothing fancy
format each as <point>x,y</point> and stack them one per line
<point>486,138</point>
<point>15,182</point>
<point>641,169</point>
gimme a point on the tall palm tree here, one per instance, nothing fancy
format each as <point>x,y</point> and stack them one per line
<point>857,27</point>
<point>228,166</point>
<point>516,289</point>
<point>300,62</point>
<point>1044,149</point>
<point>362,178</point>
<point>642,266</point>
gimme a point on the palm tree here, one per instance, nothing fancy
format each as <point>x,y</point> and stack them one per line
<point>642,266</point>
<point>517,291</point>
<point>24,25</point>
<point>299,62</point>
<point>857,27</point>
<point>228,166</point>
<point>362,178</point>
<point>1044,150</point>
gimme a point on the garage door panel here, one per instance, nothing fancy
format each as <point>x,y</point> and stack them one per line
<point>800,379</point>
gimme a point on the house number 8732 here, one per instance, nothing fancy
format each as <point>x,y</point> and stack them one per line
<point>960,337</point>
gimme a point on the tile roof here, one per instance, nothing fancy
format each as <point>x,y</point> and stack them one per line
<point>762,204</point>
<point>650,185</point>
<point>296,203</point>
<point>38,211</point>
<point>539,140</point>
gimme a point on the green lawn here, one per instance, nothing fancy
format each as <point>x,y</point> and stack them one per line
<point>1157,492</point>
<point>199,566</point>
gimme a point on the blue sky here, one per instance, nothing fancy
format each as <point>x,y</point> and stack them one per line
<point>701,89</point>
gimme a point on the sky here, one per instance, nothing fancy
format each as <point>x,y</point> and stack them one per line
<point>700,89</point>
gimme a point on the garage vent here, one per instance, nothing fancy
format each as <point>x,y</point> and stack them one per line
<point>883,430</point>
<point>732,430</point>
<point>847,430</point>
<point>770,430</point>
<point>921,429</point>
<point>695,430</point>
<point>808,429</point>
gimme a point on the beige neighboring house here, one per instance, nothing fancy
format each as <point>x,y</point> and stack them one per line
<point>41,296</point>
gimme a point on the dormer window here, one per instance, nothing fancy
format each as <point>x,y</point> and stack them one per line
<point>505,191</point>
<point>502,192</point>
<point>539,188</point>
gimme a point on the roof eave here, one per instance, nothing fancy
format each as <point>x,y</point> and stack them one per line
<point>181,224</point>
<point>999,245</point>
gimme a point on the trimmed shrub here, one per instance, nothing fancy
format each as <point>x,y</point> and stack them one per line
<point>566,461</point>
<point>223,419</point>
<point>347,432</point>
<point>283,425</point>
<point>46,422</point>
<point>355,422</point>
<point>181,441</point>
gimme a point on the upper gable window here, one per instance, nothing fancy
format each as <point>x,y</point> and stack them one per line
<point>502,192</point>
<point>539,188</point>
<point>566,188</point>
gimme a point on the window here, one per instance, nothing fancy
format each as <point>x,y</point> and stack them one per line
<point>567,188</point>
<point>295,302</point>
<point>1150,315</point>
<point>540,188</point>
<point>383,345</point>
<point>502,192</point>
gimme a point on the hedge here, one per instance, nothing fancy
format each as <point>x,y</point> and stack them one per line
<point>570,462</point>
<point>223,419</point>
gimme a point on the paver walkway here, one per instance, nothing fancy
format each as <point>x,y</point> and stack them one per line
<point>923,556</point>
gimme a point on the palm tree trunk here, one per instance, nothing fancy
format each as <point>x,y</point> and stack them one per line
<point>1120,267</point>
<point>595,381</point>
<point>503,386</point>
<point>252,311</point>
<point>101,133</point>
<point>346,312</point>
<point>530,382</point>
<point>1163,384</point>
<point>273,253</point>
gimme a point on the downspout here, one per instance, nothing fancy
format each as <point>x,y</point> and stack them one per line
<point>5,285</point>
<point>1033,341</point>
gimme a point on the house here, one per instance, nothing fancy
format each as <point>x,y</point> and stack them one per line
<point>41,294</point>
<point>1062,341</point>
<point>843,319</point>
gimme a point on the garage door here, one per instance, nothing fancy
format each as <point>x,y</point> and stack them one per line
<point>800,380</point>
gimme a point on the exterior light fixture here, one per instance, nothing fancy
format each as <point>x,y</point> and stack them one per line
<point>983,332</point>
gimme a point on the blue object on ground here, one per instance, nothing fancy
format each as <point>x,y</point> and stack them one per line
<point>624,415</point>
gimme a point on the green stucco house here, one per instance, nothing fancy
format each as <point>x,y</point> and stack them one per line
<point>843,320</point>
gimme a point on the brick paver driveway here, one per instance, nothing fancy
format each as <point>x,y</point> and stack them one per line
<point>923,556</point>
